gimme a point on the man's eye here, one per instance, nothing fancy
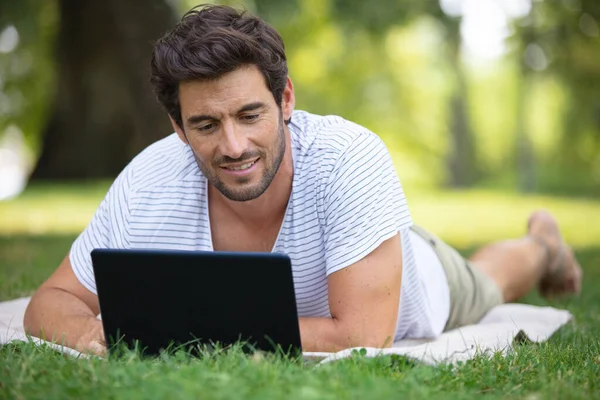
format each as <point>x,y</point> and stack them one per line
<point>206,127</point>
<point>250,117</point>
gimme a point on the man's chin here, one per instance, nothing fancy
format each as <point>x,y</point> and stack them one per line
<point>241,194</point>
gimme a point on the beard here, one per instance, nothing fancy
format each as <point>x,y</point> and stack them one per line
<point>250,192</point>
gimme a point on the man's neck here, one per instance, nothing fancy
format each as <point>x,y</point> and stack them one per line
<point>269,207</point>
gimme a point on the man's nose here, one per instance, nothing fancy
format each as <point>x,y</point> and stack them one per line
<point>233,142</point>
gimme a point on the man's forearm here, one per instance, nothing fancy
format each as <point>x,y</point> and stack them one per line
<point>330,335</point>
<point>58,316</point>
<point>320,334</point>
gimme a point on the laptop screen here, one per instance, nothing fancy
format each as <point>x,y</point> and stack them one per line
<point>159,300</point>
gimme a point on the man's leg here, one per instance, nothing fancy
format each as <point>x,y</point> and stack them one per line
<point>541,258</point>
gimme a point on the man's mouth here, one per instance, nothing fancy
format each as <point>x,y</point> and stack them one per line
<point>241,167</point>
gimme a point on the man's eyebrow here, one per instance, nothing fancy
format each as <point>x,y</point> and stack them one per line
<point>196,119</point>
<point>252,106</point>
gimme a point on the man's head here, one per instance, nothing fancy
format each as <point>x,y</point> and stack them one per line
<point>222,77</point>
<point>209,42</point>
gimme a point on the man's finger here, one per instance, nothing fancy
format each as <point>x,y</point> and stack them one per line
<point>96,348</point>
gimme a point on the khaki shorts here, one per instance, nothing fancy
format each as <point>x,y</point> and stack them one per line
<point>472,292</point>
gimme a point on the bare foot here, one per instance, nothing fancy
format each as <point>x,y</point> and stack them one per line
<point>563,272</point>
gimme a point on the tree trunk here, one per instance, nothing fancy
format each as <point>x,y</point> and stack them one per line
<point>104,111</point>
<point>462,158</point>
<point>524,151</point>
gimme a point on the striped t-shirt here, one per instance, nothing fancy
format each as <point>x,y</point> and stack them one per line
<point>346,200</point>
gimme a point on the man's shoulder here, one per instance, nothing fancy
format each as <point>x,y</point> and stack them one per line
<point>330,133</point>
<point>323,140</point>
<point>164,162</point>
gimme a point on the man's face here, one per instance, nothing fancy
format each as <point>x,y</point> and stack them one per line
<point>236,131</point>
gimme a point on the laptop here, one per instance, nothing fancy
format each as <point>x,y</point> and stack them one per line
<point>157,300</point>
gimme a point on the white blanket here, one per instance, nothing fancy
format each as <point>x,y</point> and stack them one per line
<point>497,331</point>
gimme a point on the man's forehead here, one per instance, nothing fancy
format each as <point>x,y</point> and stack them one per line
<point>246,77</point>
<point>232,90</point>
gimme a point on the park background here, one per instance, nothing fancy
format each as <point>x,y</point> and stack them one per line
<point>499,94</point>
<point>490,109</point>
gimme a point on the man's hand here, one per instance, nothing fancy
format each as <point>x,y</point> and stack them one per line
<point>92,340</point>
<point>63,311</point>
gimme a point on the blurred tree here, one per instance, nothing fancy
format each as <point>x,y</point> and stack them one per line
<point>463,166</point>
<point>26,68</point>
<point>394,66</point>
<point>524,149</point>
<point>358,18</point>
<point>561,38</point>
<point>104,111</point>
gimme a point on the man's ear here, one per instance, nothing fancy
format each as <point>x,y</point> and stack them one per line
<point>288,100</point>
<point>179,131</point>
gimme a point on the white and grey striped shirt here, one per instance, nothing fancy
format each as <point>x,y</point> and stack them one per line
<point>346,200</point>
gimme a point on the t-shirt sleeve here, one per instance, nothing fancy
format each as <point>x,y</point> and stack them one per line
<point>106,230</point>
<point>364,203</point>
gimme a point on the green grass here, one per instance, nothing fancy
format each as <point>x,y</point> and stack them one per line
<point>26,261</point>
<point>567,366</point>
<point>58,208</point>
<point>552,370</point>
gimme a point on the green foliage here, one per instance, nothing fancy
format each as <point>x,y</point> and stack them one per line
<point>393,66</point>
<point>26,73</point>
<point>559,41</point>
<point>393,81</point>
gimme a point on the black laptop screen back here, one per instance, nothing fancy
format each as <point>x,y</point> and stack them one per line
<point>162,298</point>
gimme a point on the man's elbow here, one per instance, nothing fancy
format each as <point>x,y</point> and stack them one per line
<point>31,319</point>
<point>365,336</point>
<point>37,311</point>
<point>29,322</point>
<point>380,341</point>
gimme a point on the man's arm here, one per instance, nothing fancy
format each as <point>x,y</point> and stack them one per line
<point>63,311</point>
<point>363,302</point>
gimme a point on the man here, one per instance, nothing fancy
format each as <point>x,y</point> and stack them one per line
<point>245,172</point>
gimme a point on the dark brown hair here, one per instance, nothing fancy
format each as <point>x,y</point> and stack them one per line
<point>210,41</point>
